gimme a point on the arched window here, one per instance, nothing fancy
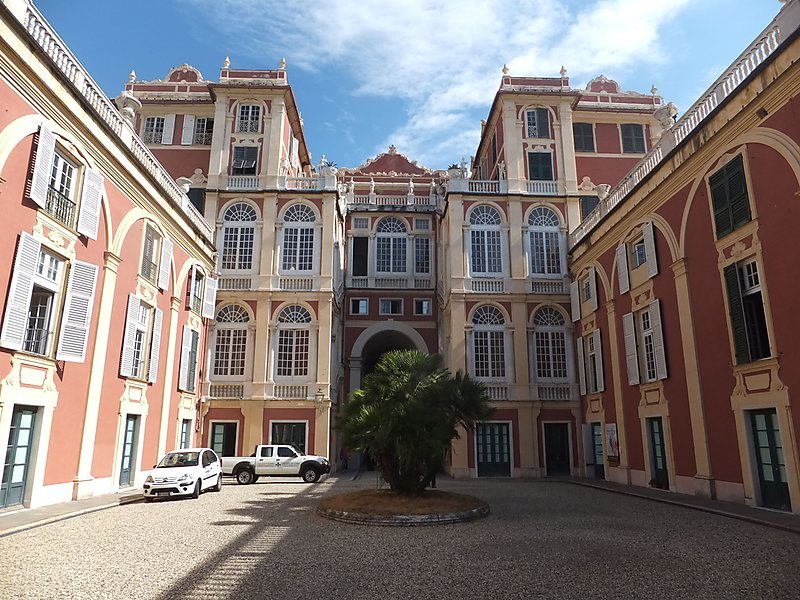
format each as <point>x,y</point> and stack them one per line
<point>238,233</point>
<point>298,238</point>
<point>488,343</point>
<point>293,342</point>
<point>545,243</point>
<point>550,345</point>
<point>486,249</point>
<point>230,348</point>
<point>390,253</point>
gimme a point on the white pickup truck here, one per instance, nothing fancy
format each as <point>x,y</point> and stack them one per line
<point>275,460</point>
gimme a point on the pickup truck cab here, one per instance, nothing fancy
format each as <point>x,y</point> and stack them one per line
<point>275,460</point>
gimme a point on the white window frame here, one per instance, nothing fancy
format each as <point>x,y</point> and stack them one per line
<point>479,238</point>
<point>366,306</point>
<point>231,329</point>
<point>153,129</point>
<point>427,313</point>
<point>293,369</point>
<point>549,332</point>
<point>496,371</point>
<point>248,118</point>
<point>536,126</point>
<point>238,231</point>
<point>422,251</point>
<point>54,286</point>
<point>302,251</point>
<point>396,243</point>
<point>381,310</point>
<point>543,235</point>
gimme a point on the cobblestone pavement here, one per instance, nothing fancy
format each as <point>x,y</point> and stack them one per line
<point>543,540</point>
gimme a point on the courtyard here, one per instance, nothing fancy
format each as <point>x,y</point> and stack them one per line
<point>542,540</point>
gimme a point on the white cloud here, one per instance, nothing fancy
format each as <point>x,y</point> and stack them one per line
<point>443,58</point>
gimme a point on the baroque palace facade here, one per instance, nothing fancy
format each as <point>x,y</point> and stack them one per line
<point>181,273</point>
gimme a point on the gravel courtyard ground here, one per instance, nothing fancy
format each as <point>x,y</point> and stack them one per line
<point>543,540</point>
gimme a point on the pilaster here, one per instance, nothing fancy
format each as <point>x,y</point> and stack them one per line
<point>169,371</point>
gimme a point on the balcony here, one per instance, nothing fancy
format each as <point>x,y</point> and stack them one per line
<point>291,391</point>
<point>542,188</point>
<point>391,283</point>
<point>152,137</point>
<point>202,139</point>
<point>378,201</point>
<point>555,392</point>
<point>497,392</point>
<point>231,283</point>
<point>477,186</point>
<point>60,206</point>
<point>302,183</point>
<point>247,126</point>
<point>233,391</point>
<point>549,286</point>
<point>298,284</point>
<point>243,182</point>
<point>487,286</point>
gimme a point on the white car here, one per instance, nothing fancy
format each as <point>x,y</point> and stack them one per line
<point>184,473</point>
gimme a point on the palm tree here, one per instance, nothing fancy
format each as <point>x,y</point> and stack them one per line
<point>406,415</point>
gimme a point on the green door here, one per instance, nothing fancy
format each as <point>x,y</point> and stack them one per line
<point>769,459</point>
<point>493,447</point>
<point>126,471</point>
<point>292,434</point>
<point>186,433</point>
<point>18,456</point>
<point>223,438</point>
<point>597,444</point>
<point>658,453</point>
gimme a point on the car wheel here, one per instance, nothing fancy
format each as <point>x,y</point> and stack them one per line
<point>245,477</point>
<point>310,475</point>
<point>218,486</point>
<point>197,488</point>
<point>255,478</point>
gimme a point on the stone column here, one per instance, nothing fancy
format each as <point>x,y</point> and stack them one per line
<point>172,342</point>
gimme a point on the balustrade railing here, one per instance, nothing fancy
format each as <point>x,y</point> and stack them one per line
<point>303,183</point>
<point>304,284</point>
<point>787,21</point>
<point>65,61</point>
<point>293,391</point>
<point>487,285</point>
<point>549,286</point>
<point>542,188</point>
<point>235,282</point>
<point>556,392</point>
<point>497,392</point>
<point>243,182</point>
<point>226,390</point>
<point>60,206</point>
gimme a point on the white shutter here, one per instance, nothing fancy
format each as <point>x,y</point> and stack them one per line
<point>129,337</point>
<point>593,287</point>
<point>169,128</point>
<point>155,345</point>
<point>575,300</point>
<point>650,250</point>
<point>164,263</point>
<point>189,287</point>
<point>89,215</point>
<point>622,268</point>
<point>187,135</point>
<point>631,356</point>
<point>658,339</point>
<point>15,318</point>
<point>588,444</point>
<point>209,298</point>
<point>598,352</point>
<point>581,368</point>
<point>42,169</point>
<point>186,344</point>
<point>77,312</point>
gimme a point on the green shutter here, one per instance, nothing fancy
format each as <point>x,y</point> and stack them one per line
<point>721,204</point>
<point>543,123</point>
<point>737,192</point>
<point>736,311</point>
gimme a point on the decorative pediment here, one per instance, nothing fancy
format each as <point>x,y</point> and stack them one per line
<point>390,163</point>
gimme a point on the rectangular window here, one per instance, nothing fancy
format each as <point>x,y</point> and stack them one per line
<point>230,351</point>
<point>729,197</point>
<point>359,306</point>
<point>192,364</point>
<point>591,364</point>
<point>538,123</point>
<point>153,130</point>
<point>638,253</point>
<point>586,290</point>
<point>422,224</point>
<point>422,255</point>
<point>489,349</point>
<point>151,254</point>
<point>551,356</point>
<point>648,346</point>
<point>423,306</point>
<point>391,306</point>
<point>249,118</point>
<point>140,343</point>
<point>61,201</point>
<point>203,131</point>
<point>487,256</point>
<point>583,134</point>
<point>197,196</point>
<point>293,347</point>
<point>186,433</point>
<point>298,248</point>
<point>360,223</point>
<point>196,291</point>
<point>588,204</point>
<point>494,149</point>
<point>633,138</point>
<point>540,166</point>
<point>244,160</point>
<point>545,252</point>
<point>360,256</point>
<point>747,314</point>
<point>41,321</point>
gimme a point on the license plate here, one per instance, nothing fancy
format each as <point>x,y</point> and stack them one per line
<point>162,493</point>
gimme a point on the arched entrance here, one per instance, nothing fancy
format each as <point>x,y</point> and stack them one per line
<point>380,344</point>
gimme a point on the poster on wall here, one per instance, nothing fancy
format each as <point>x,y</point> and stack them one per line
<point>612,442</point>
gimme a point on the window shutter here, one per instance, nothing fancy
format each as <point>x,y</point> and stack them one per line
<point>593,288</point>
<point>542,123</point>
<point>622,268</point>
<point>89,215</point>
<point>77,312</point>
<point>42,168</point>
<point>169,128</point>
<point>631,356</point>
<point>155,345</point>
<point>164,263</point>
<point>721,204</point>
<point>15,318</point>
<point>186,347</point>
<point>187,135</point>
<point>658,339</point>
<point>581,368</point>
<point>189,286</point>
<point>575,301</point>
<point>737,192</point>
<point>599,358</point>
<point>736,311</point>
<point>650,249</point>
<point>191,372</point>
<point>209,298</point>
<point>129,337</point>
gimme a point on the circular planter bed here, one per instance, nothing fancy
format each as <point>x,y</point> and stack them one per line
<point>383,507</point>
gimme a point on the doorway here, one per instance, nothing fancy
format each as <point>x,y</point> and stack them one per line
<point>223,438</point>
<point>556,449</point>
<point>18,456</point>
<point>127,466</point>
<point>292,434</point>
<point>658,453</point>
<point>493,449</point>
<point>597,445</point>
<point>769,459</point>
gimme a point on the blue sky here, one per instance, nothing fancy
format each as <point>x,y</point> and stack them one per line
<point>419,74</point>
